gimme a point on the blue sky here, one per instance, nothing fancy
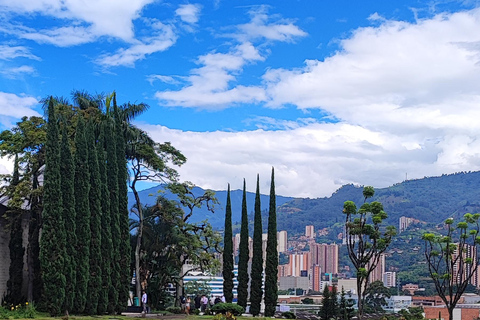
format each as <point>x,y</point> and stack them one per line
<point>328,92</point>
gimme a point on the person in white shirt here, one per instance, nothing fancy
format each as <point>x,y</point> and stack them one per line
<point>144,301</point>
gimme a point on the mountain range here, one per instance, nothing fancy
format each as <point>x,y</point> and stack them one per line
<point>430,199</point>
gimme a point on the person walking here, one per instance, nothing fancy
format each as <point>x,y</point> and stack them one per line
<point>144,301</point>
<point>204,302</point>
<point>187,306</point>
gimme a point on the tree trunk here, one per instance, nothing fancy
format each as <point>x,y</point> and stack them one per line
<point>359,302</point>
<point>138,285</point>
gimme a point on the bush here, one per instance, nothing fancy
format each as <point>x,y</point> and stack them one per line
<point>289,315</point>
<point>176,310</point>
<point>227,316</point>
<point>233,308</point>
<point>21,311</point>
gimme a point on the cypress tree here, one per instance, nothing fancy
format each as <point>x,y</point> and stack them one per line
<point>124,244</point>
<point>271,265</point>
<point>52,243</point>
<point>82,192</point>
<point>242,290</point>
<point>112,183</point>
<point>69,215</point>
<point>15,245</point>
<point>93,290</point>
<point>228,252</point>
<point>257,259</point>
<point>106,235</point>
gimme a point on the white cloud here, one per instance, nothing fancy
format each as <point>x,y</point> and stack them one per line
<point>406,96</point>
<point>61,37</point>
<point>166,79</point>
<point>210,86</point>
<point>12,52</point>
<point>110,18</point>
<point>259,27</point>
<point>12,105</point>
<point>189,13</point>
<point>16,72</point>
<point>162,39</point>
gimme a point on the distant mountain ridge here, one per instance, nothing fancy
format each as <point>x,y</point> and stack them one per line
<point>431,199</point>
<point>217,218</point>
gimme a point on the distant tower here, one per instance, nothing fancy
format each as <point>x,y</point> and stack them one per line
<point>389,279</point>
<point>282,241</point>
<point>310,232</point>
<point>325,256</point>
<point>403,223</point>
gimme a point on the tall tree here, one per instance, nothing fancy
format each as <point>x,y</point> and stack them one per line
<point>243,255</point>
<point>376,295</point>
<point>345,307</point>
<point>15,245</point>
<point>453,258</point>
<point>95,197</point>
<point>329,308</point>
<point>82,203</point>
<point>256,291</point>
<point>123,219</point>
<point>112,183</point>
<point>67,170</point>
<point>52,245</point>
<point>27,140</point>
<point>271,265</point>
<point>365,241</point>
<point>228,252</point>
<point>106,235</point>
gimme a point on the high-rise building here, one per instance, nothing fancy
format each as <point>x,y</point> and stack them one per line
<point>469,252</point>
<point>297,263</point>
<point>282,241</point>
<point>316,278</point>
<point>403,223</point>
<point>377,273</point>
<point>236,244</point>
<point>390,279</point>
<point>325,256</point>
<point>310,232</point>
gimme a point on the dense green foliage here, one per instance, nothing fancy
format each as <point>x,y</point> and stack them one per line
<point>112,184</point>
<point>345,307</point>
<point>228,252</point>
<point>123,219</point>
<point>52,246</point>
<point>243,255</point>
<point>82,203</point>
<point>95,257</point>
<point>375,297</point>
<point>233,308</point>
<point>329,309</point>
<point>256,291</point>
<point>67,170</point>
<point>271,264</point>
<point>106,236</point>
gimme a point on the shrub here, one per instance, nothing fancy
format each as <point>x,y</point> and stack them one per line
<point>227,316</point>
<point>176,310</point>
<point>233,308</point>
<point>289,315</point>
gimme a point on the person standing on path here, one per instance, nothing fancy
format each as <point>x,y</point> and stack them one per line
<point>144,301</point>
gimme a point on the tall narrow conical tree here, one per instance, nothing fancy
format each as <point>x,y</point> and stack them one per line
<point>112,183</point>
<point>93,291</point>
<point>82,192</point>
<point>106,236</point>
<point>67,170</point>
<point>271,266</point>
<point>243,256</point>
<point>15,245</point>
<point>123,220</point>
<point>52,243</point>
<point>228,252</point>
<point>256,291</point>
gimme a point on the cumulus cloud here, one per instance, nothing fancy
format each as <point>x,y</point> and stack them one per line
<point>210,86</point>
<point>12,105</point>
<point>189,13</point>
<point>405,97</point>
<point>111,18</point>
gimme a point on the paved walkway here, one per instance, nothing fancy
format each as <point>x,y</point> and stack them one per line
<point>154,315</point>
